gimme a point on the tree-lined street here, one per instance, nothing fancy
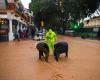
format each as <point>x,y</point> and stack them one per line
<point>24,23</point>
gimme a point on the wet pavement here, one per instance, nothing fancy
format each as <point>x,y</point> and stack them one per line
<point>19,61</point>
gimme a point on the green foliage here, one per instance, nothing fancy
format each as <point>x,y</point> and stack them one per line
<point>52,12</point>
<point>88,35</point>
<point>80,8</point>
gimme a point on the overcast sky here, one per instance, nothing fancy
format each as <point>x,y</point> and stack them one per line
<point>26,3</point>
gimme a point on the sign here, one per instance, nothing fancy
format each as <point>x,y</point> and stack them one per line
<point>2,4</point>
<point>42,23</point>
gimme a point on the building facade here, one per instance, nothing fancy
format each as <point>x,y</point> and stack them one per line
<point>12,18</point>
<point>94,22</point>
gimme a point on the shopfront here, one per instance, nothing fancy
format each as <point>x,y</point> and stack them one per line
<point>4,29</point>
<point>9,23</point>
<point>12,18</point>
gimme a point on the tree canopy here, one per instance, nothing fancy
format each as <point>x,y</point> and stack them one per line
<point>58,12</point>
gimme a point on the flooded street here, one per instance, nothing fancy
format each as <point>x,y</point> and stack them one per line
<point>19,61</point>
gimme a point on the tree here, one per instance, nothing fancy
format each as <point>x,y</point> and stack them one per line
<point>81,8</point>
<point>58,12</point>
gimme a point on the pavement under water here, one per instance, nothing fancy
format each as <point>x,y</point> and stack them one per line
<point>19,61</point>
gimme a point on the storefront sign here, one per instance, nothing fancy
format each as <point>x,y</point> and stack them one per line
<point>42,23</point>
<point>2,4</point>
<point>3,31</point>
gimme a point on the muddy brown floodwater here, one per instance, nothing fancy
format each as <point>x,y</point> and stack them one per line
<point>19,61</point>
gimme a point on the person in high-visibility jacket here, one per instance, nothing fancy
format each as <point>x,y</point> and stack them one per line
<point>50,39</point>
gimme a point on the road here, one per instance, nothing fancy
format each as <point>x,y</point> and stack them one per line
<point>19,61</point>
